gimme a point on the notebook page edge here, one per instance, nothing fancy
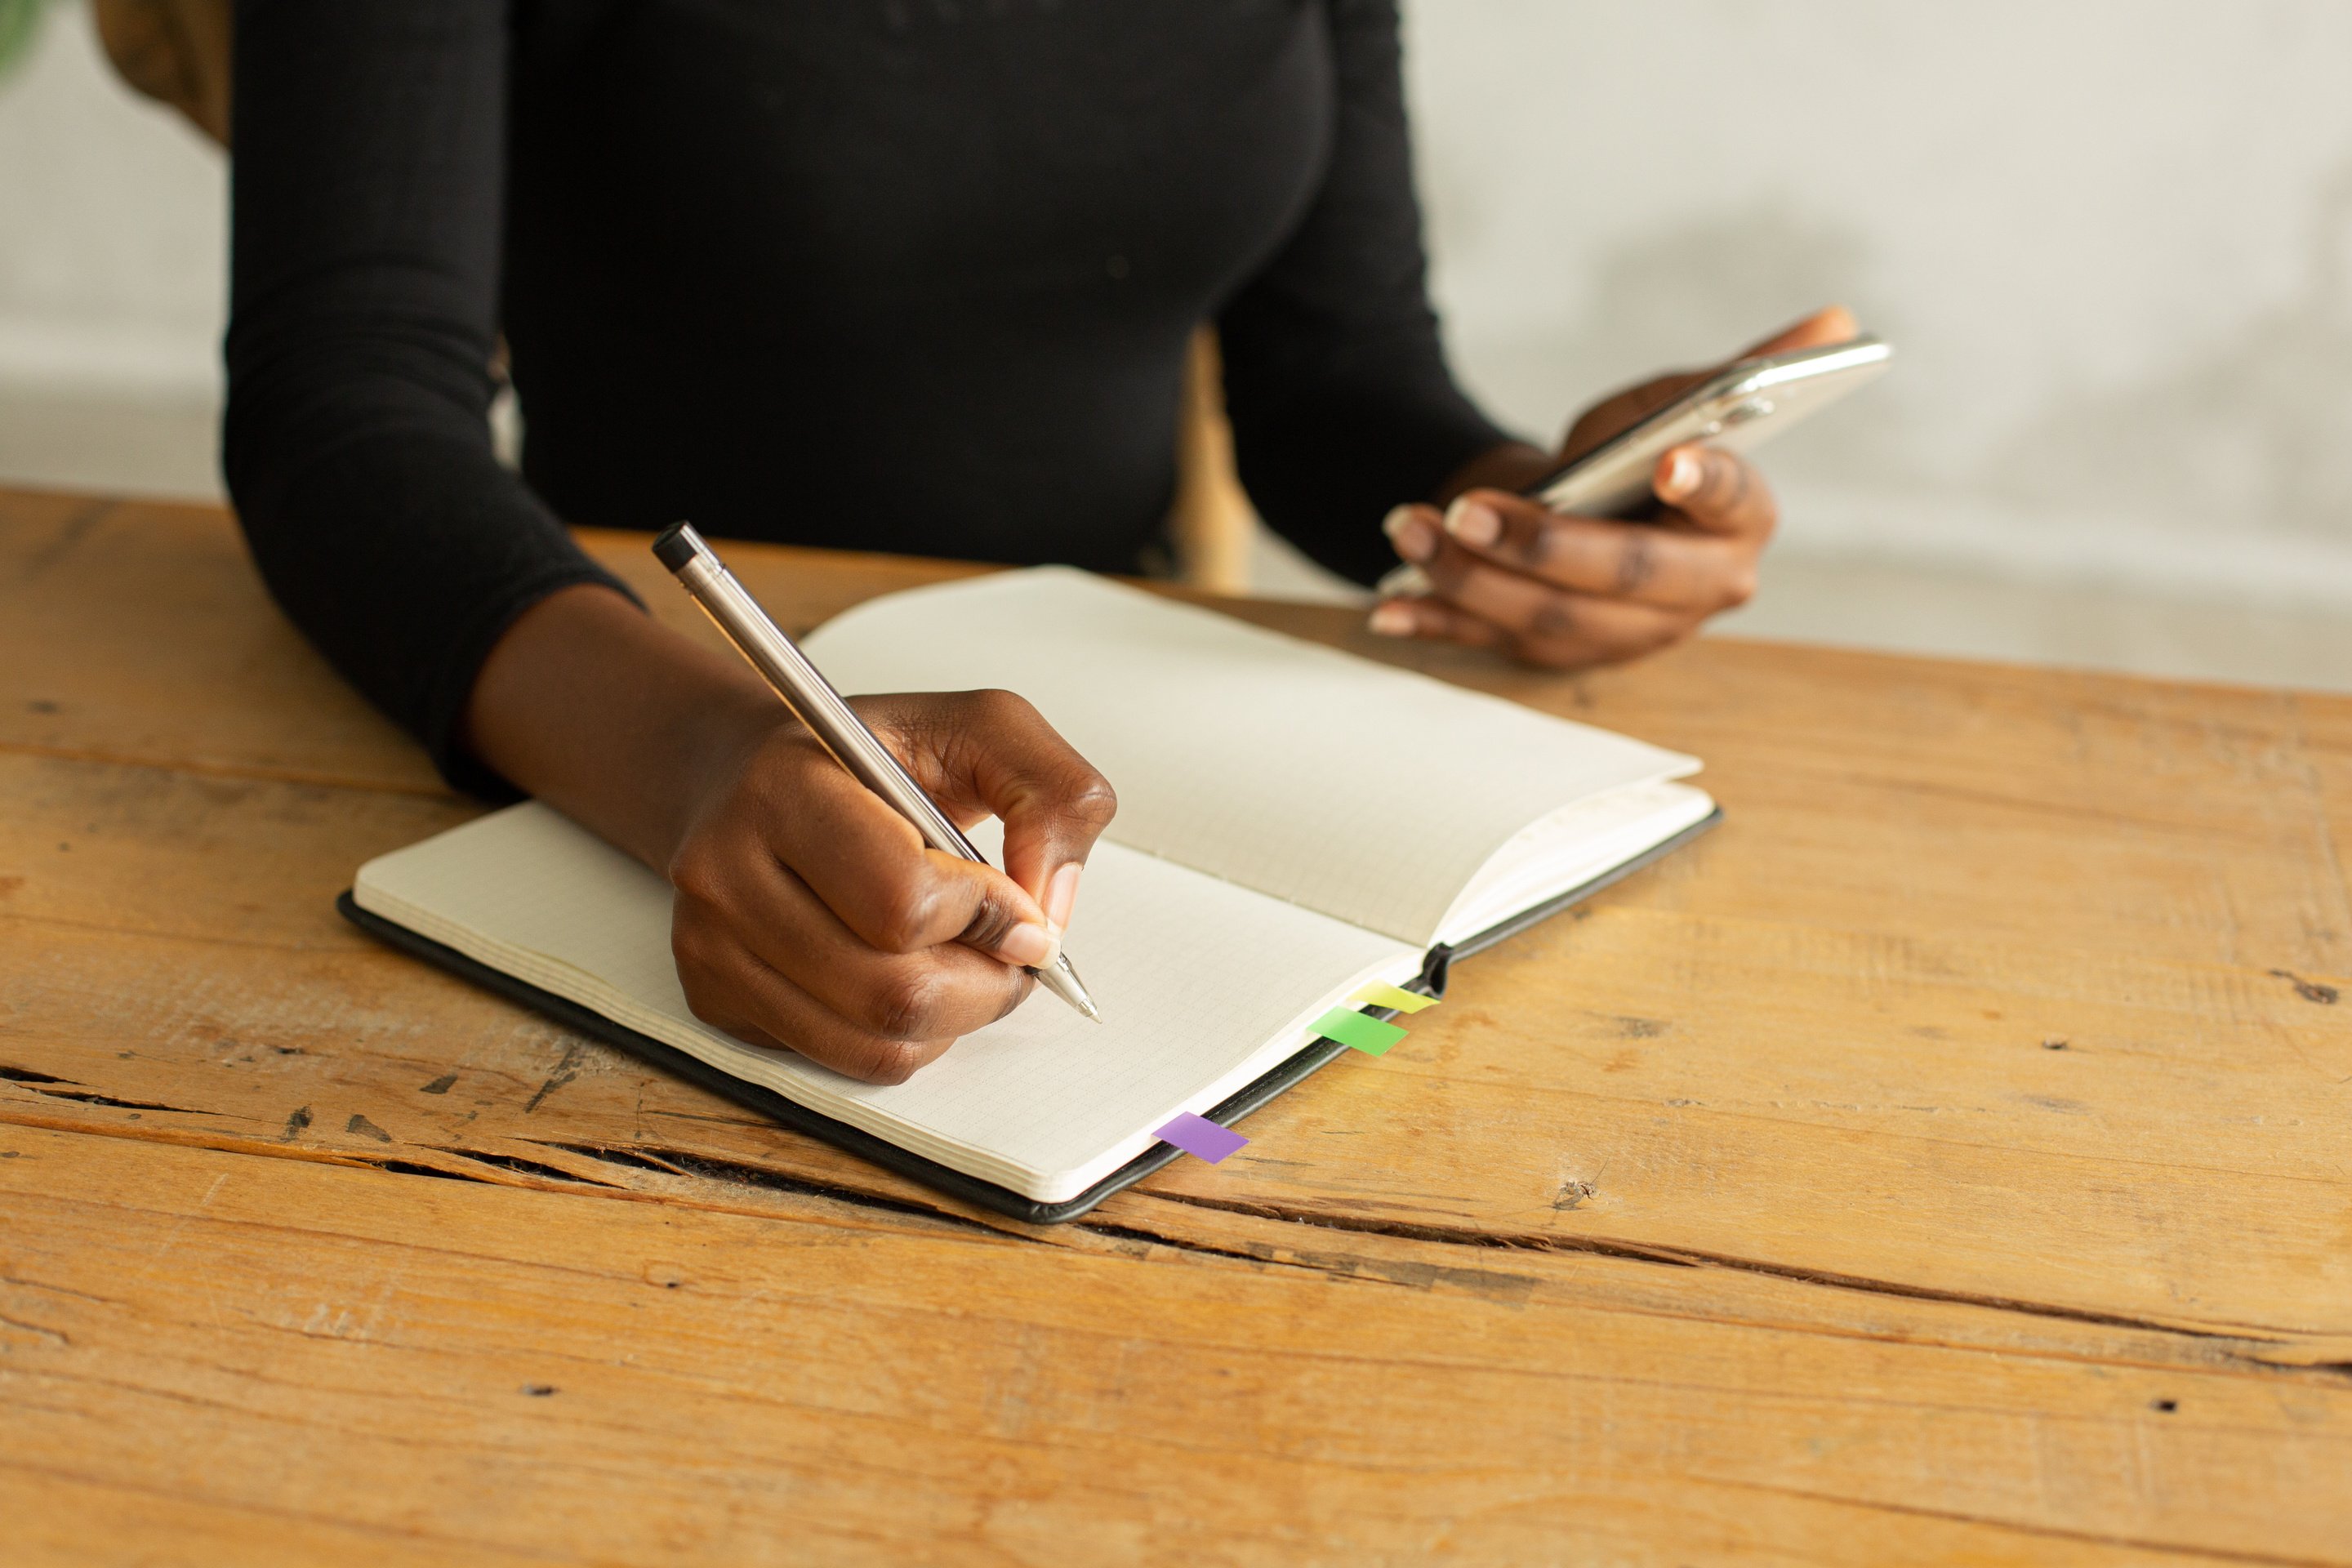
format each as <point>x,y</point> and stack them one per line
<point>1278,1048</point>
<point>1677,808</point>
<point>608,1001</point>
<point>613,1001</point>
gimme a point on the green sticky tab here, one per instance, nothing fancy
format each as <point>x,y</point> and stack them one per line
<point>1380,994</point>
<point>1350,1028</point>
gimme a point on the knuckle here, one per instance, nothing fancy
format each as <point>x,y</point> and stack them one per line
<point>993,705</point>
<point>694,876</point>
<point>885,1061</point>
<point>1553,638</point>
<point>1552,621</point>
<point>1091,800</point>
<point>1019,982</point>
<point>906,1006</point>
<point>1637,563</point>
<point>1720,479</point>
<point>1733,488</point>
<point>1447,568</point>
<point>1739,586</point>
<point>705,997</point>
<point>710,1009</point>
<point>901,921</point>
<point>1533,541</point>
<point>991,923</point>
<point>693,947</point>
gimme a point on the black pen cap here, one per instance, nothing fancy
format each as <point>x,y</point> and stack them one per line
<point>676,545</point>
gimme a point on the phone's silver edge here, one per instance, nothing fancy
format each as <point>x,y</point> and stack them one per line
<point>1760,375</point>
<point>1744,378</point>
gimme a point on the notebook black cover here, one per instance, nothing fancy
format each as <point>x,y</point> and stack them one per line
<point>971,1189</point>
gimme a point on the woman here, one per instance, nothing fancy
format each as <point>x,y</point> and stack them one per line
<point>905,275</point>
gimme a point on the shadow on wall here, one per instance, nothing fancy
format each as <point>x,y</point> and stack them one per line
<point>2259,429</point>
<point>2242,448</point>
<point>1690,294</point>
<point>1709,287</point>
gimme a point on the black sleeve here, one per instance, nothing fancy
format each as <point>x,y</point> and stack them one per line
<point>1341,402</point>
<point>368,182</point>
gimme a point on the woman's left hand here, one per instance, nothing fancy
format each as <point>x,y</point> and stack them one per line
<point>1564,592</point>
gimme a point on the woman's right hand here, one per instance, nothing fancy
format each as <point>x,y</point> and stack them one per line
<point>807,913</point>
<point>810,914</point>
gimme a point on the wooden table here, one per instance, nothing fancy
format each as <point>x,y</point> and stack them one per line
<point>1950,1159</point>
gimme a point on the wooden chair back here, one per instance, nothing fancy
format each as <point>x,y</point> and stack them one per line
<point>175,51</point>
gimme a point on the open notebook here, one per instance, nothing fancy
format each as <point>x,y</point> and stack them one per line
<point>1293,822</point>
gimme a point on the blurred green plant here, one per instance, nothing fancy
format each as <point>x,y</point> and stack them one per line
<point>20,21</point>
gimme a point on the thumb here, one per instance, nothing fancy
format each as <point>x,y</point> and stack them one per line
<point>990,754</point>
<point>998,915</point>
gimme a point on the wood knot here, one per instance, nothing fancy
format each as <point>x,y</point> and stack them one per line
<point>2309,990</point>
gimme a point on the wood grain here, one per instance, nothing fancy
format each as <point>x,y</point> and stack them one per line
<point>278,1338</point>
<point>1858,1186</point>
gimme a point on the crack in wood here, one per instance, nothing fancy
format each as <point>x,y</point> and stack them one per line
<point>2031,1527</point>
<point>39,1331</point>
<point>1686,1257</point>
<point>411,1168</point>
<point>521,1166</point>
<point>47,1084</point>
<point>708,1167</point>
<point>636,1159</point>
<point>1450,1235</point>
<point>2245,1349</point>
<point>1404,1274</point>
<point>1154,1238</point>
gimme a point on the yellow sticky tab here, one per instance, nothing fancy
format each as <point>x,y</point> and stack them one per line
<point>1379,994</point>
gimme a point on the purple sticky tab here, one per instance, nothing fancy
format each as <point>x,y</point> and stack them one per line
<point>1199,1136</point>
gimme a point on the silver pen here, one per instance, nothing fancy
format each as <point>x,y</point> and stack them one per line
<point>833,721</point>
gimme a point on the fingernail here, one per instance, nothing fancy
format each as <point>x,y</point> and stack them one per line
<point>1681,475</point>
<point>1415,540</point>
<point>1473,522</point>
<point>1396,520</point>
<point>1027,944</point>
<point>1391,620</point>
<point>1061,894</point>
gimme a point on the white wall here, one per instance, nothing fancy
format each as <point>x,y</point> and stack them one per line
<point>112,276</point>
<point>2112,238</point>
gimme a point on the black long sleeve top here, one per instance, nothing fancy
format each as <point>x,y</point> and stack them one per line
<point>901,275</point>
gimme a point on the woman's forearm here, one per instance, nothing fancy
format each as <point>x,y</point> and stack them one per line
<point>805,912</point>
<point>616,721</point>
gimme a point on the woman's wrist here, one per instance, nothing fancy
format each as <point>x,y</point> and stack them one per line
<point>621,723</point>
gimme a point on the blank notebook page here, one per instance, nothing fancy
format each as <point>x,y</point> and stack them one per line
<point>1203,986</point>
<point>1370,794</point>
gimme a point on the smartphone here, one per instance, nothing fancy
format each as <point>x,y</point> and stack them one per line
<point>1739,409</point>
